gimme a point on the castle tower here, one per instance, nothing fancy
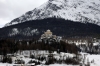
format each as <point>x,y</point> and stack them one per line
<point>48,34</point>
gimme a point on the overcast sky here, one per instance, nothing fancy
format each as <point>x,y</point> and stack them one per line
<point>10,9</point>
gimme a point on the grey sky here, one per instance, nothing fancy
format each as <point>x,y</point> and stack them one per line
<point>10,9</point>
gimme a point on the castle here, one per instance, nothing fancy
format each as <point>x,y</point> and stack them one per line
<point>49,35</point>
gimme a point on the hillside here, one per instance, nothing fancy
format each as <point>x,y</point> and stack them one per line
<point>59,27</point>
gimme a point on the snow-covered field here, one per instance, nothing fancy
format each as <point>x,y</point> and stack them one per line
<point>59,65</point>
<point>94,60</point>
<point>1,64</point>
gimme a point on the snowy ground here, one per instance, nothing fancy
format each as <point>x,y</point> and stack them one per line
<point>1,64</point>
<point>95,59</point>
<point>59,65</point>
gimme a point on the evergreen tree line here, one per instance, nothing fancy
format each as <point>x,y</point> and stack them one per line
<point>11,46</point>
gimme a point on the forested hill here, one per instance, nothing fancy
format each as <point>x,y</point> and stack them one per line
<point>59,27</point>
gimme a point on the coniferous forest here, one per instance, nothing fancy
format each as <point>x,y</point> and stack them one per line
<point>61,27</point>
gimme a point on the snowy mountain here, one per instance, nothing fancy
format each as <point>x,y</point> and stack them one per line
<point>75,10</point>
<point>67,18</point>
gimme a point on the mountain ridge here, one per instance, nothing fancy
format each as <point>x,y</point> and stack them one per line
<point>80,11</point>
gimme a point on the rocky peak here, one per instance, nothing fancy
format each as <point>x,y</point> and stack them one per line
<point>75,10</point>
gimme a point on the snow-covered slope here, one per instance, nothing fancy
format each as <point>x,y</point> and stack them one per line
<point>75,10</point>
